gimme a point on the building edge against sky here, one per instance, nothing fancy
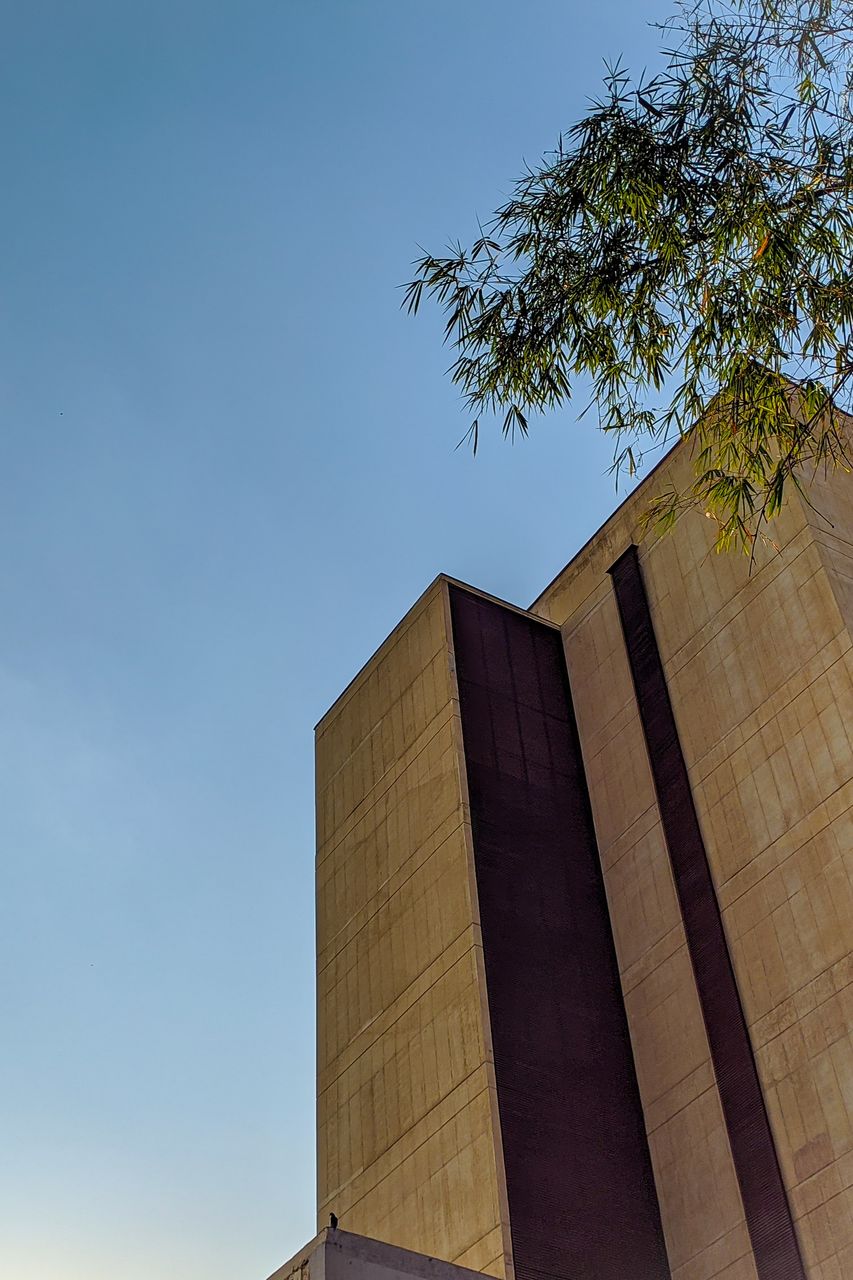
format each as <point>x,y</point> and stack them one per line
<point>584,914</point>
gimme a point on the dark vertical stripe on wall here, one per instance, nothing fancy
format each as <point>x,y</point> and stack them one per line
<point>768,1214</point>
<point>582,1200</point>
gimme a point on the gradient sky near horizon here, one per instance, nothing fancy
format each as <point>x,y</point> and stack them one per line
<point>227,469</point>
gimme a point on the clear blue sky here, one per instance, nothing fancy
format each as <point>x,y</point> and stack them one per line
<point>227,469</point>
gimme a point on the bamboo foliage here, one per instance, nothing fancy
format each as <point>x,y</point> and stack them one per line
<point>683,255</point>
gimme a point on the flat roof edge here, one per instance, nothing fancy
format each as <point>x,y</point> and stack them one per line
<point>438,581</point>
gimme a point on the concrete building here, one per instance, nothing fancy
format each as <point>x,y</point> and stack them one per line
<point>584,913</point>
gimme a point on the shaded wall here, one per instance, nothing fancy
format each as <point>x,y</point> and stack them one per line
<point>582,1203</point>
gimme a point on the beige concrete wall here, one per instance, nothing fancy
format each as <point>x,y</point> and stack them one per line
<point>760,669</point>
<point>406,1108</point>
<point>760,674</point>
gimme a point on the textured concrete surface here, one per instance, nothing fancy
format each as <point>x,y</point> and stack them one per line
<point>407,1146</point>
<point>760,672</point>
<point>759,665</point>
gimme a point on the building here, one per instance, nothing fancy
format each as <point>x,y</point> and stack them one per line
<point>584,914</point>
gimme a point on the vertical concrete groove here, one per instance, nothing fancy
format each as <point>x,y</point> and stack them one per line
<point>580,1189</point>
<point>766,1208</point>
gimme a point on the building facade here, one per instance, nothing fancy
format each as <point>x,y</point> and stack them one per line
<point>584,913</point>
